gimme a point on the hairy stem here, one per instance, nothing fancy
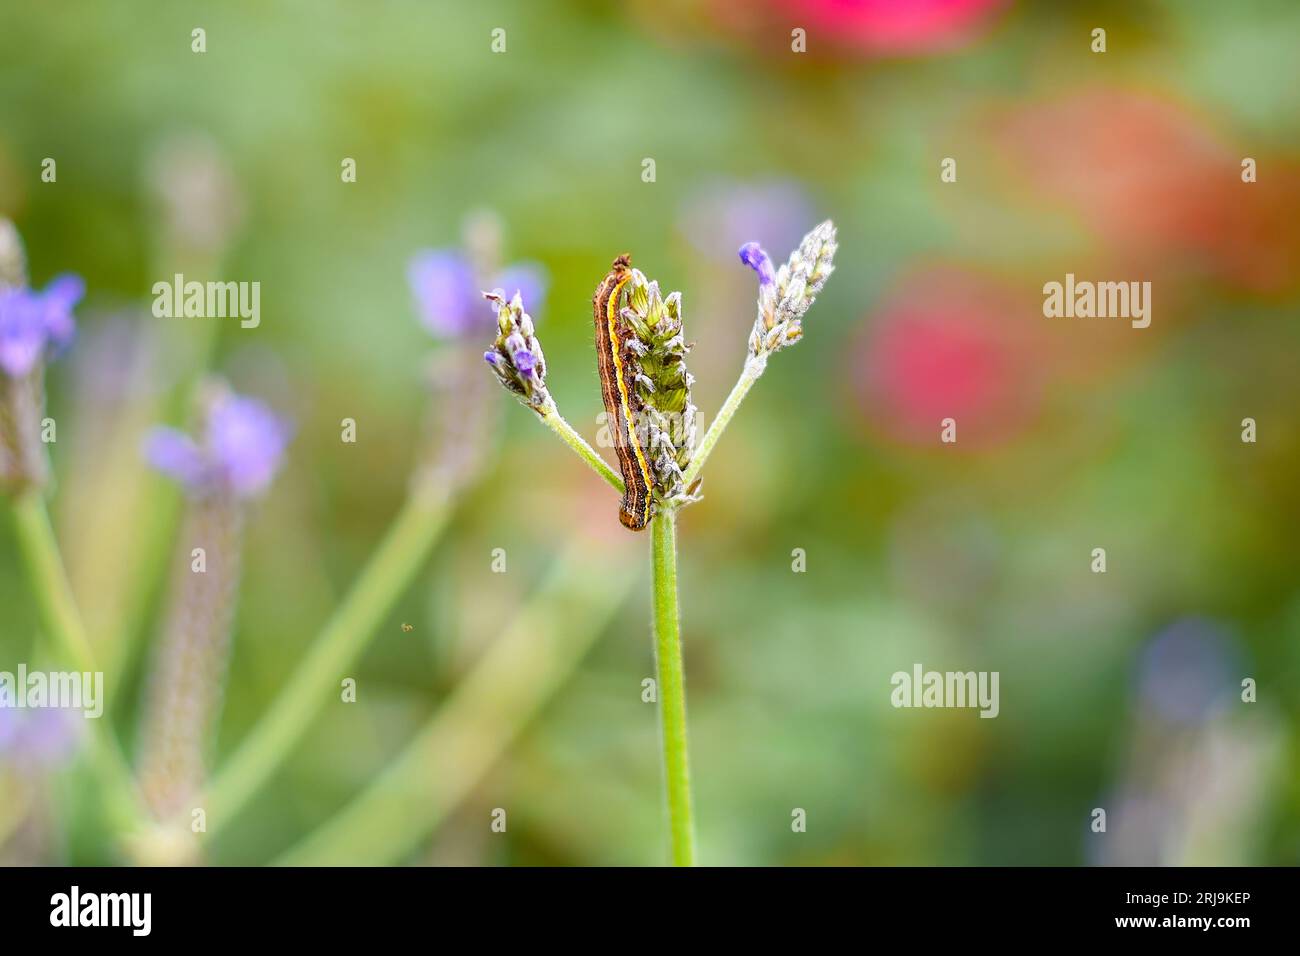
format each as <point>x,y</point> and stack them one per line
<point>316,679</point>
<point>524,667</point>
<point>61,622</point>
<point>147,502</point>
<point>672,687</point>
<point>556,423</point>
<point>749,375</point>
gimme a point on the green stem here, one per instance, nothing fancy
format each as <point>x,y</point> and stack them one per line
<point>316,679</point>
<point>556,423</point>
<point>748,376</point>
<point>62,625</point>
<point>50,587</point>
<point>522,669</point>
<point>672,687</point>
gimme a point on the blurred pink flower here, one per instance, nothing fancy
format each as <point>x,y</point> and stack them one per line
<point>948,344</point>
<point>1151,179</point>
<point>896,26</point>
<point>873,27</point>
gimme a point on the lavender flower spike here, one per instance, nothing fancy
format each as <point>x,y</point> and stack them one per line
<point>516,355</point>
<point>445,284</point>
<point>34,325</point>
<point>238,453</point>
<point>785,296</point>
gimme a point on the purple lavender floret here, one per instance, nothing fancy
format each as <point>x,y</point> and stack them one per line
<point>248,439</point>
<point>22,333</point>
<point>752,255</point>
<point>58,300</point>
<point>35,324</point>
<point>524,361</point>
<point>242,449</point>
<point>175,454</point>
<point>447,293</point>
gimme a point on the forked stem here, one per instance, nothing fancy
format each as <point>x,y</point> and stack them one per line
<point>556,423</point>
<point>748,376</point>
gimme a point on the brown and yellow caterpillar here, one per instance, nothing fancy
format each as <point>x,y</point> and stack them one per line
<point>617,364</point>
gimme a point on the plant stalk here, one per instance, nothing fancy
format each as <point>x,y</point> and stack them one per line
<point>61,622</point>
<point>316,680</point>
<point>672,687</point>
<point>485,711</point>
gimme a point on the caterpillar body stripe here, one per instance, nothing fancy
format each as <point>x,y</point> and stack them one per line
<point>616,364</point>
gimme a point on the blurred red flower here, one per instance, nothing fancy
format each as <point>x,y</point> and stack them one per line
<point>895,26</point>
<point>1153,181</point>
<point>947,343</point>
<point>871,27</point>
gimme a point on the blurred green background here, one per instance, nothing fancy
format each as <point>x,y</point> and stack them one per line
<point>1118,690</point>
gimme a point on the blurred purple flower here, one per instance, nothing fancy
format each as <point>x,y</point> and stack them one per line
<point>40,737</point>
<point>528,279</point>
<point>242,448</point>
<point>443,285</point>
<point>722,214</point>
<point>1184,673</point>
<point>57,301</point>
<point>22,332</point>
<point>248,439</point>
<point>174,453</point>
<point>447,292</point>
<point>34,323</point>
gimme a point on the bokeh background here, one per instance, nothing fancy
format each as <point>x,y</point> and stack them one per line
<point>1118,690</point>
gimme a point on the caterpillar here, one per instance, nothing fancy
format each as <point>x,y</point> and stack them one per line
<point>617,365</point>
